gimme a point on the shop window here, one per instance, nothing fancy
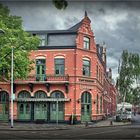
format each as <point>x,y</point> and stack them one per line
<point>40,94</point>
<point>57,94</point>
<point>27,108</point>
<point>24,94</point>
<point>21,109</point>
<point>4,97</point>
<point>86,98</point>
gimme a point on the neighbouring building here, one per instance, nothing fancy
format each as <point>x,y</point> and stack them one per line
<point>69,79</point>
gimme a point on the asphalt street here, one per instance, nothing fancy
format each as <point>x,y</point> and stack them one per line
<point>118,132</point>
<point>130,131</point>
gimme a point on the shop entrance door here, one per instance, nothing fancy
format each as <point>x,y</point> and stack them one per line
<point>56,111</point>
<point>40,111</point>
<point>86,106</point>
<point>24,110</point>
<point>4,106</point>
<point>85,112</point>
<point>4,112</point>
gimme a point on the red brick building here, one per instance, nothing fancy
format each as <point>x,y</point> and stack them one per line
<point>69,79</point>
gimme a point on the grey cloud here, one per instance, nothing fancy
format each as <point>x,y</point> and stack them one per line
<point>116,23</point>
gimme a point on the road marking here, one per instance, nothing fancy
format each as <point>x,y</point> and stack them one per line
<point>98,133</point>
<point>137,136</point>
<point>33,132</point>
<point>106,132</point>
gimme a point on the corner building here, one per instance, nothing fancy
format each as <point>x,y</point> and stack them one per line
<point>68,79</point>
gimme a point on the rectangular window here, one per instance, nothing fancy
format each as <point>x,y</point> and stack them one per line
<point>86,43</point>
<point>99,75</point>
<point>97,105</point>
<point>86,68</point>
<point>43,40</point>
<point>100,104</point>
<point>59,66</point>
<point>40,69</point>
<point>97,71</point>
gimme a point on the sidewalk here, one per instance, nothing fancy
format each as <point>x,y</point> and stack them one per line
<point>40,127</point>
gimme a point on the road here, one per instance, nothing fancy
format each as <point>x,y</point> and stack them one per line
<point>119,132</point>
<point>136,119</point>
<point>130,132</point>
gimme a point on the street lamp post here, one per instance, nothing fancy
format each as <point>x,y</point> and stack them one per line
<point>12,80</point>
<point>1,31</point>
<point>57,112</point>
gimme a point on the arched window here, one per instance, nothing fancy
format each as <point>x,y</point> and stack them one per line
<point>4,97</point>
<point>40,94</point>
<point>86,98</point>
<point>57,94</point>
<point>24,94</point>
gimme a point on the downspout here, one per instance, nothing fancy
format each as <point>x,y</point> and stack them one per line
<point>75,82</point>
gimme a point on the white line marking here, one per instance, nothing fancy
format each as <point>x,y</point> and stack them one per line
<point>99,133</point>
<point>137,136</point>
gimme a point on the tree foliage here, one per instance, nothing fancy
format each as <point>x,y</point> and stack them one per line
<point>60,4</point>
<point>21,41</point>
<point>129,74</point>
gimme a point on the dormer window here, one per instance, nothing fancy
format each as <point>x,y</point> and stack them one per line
<point>42,40</point>
<point>86,43</point>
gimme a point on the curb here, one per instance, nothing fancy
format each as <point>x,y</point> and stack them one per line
<point>16,129</point>
<point>107,126</point>
<point>49,128</point>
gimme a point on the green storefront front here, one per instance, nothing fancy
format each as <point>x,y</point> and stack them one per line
<point>40,107</point>
<point>4,106</point>
<point>86,106</point>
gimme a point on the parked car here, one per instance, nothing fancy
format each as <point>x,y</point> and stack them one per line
<point>129,116</point>
<point>125,116</point>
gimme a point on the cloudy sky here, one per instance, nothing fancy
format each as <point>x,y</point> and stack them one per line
<point>115,23</point>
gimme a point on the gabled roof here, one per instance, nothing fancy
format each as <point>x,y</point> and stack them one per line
<point>53,32</point>
<point>76,27</point>
<point>71,30</point>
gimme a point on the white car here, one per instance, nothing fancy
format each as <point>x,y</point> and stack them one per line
<point>129,116</point>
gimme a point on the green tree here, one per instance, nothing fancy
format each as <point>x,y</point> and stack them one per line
<point>21,41</point>
<point>129,73</point>
<point>60,4</point>
<point>136,95</point>
<point>125,79</point>
<point>135,58</point>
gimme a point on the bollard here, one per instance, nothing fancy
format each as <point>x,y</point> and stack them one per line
<point>86,124</point>
<point>111,123</point>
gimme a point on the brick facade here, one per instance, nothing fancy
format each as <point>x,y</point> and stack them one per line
<point>101,93</point>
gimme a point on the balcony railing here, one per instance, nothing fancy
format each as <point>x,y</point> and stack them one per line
<point>41,77</point>
<point>44,77</point>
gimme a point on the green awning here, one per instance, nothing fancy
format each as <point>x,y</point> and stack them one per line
<point>42,99</point>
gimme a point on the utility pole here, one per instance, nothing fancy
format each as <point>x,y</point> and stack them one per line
<point>12,80</point>
<point>1,31</point>
<point>57,111</point>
